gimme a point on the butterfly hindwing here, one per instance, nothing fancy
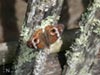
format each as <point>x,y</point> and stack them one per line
<point>37,40</point>
<point>53,32</point>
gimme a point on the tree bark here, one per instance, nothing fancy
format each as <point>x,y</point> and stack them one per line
<point>39,14</point>
<point>85,48</point>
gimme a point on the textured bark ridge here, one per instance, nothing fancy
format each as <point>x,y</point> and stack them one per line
<point>87,45</point>
<point>40,13</point>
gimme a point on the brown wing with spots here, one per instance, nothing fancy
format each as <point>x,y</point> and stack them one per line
<point>37,40</point>
<point>53,32</point>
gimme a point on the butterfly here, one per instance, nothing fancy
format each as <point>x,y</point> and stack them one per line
<point>44,38</point>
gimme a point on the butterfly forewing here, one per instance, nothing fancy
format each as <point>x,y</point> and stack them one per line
<point>53,32</point>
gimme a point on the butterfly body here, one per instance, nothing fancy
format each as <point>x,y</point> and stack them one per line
<point>46,38</point>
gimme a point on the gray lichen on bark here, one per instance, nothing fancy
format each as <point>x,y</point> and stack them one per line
<point>87,45</point>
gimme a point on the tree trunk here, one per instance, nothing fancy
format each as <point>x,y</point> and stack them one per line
<point>87,45</point>
<point>29,62</point>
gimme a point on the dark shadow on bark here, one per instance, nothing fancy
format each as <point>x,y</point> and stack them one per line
<point>9,24</point>
<point>86,3</point>
<point>68,38</point>
<point>25,1</point>
<point>64,13</point>
<point>64,16</point>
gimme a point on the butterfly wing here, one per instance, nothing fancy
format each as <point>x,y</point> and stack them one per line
<point>43,39</point>
<point>53,32</point>
<point>37,40</point>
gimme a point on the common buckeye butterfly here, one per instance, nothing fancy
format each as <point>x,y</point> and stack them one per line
<point>44,38</point>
